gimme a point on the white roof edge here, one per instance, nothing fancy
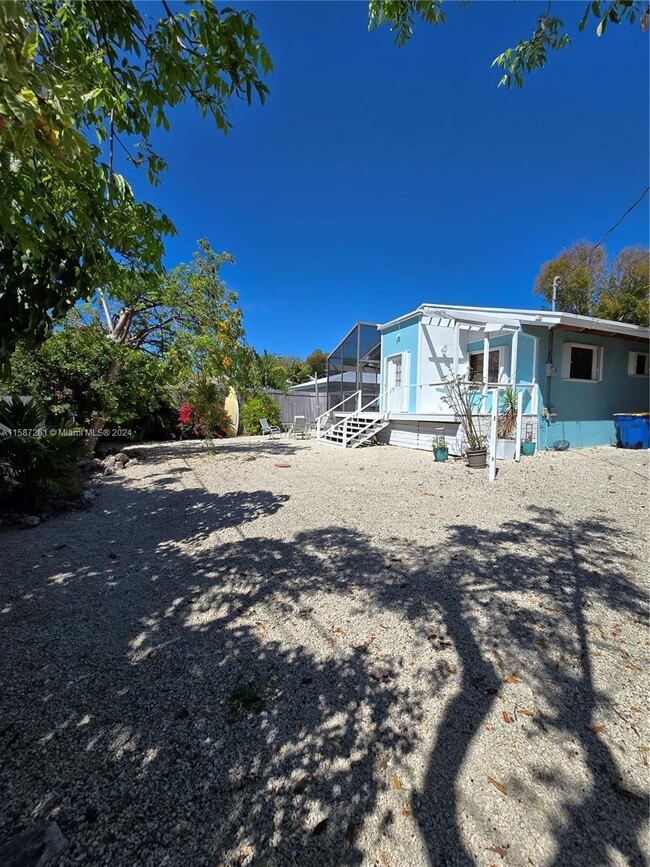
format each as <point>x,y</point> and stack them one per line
<point>544,318</point>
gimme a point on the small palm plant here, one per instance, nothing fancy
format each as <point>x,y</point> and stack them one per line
<point>33,462</point>
<point>507,413</point>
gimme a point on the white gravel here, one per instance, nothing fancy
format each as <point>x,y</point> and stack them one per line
<point>452,672</point>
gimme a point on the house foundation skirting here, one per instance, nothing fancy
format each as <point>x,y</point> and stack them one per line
<point>419,434</point>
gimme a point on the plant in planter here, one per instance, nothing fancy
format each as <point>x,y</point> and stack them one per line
<point>528,445</point>
<point>462,397</point>
<point>507,423</point>
<point>440,449</point>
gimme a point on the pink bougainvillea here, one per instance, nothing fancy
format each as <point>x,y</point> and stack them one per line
<point>185,414</point>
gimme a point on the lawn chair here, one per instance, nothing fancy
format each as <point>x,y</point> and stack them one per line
<point>270,429</point>
<point>300,427</point>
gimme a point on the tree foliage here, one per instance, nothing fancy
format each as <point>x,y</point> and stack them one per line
<point>77,374</point>
<point>317,363</point>
<point>528,55</point>
<point>80,80</point>
<point>592,286</point>
<point>268,371</point>
<point>625,296</point>
<point>581,270</point>
<point>188,317</point>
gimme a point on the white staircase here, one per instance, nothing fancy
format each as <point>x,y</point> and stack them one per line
<point>354,428</point>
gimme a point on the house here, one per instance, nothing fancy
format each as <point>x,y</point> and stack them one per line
<point>574,373</point>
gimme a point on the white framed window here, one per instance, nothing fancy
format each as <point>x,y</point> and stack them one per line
<point>637,364</point>
<point>496,365</point>
<point>582,362</point>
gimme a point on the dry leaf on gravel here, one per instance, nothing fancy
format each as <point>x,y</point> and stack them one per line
<point>513,679</point>
<point>320,827</point>
<point>499,850</point>
<point>397,782</point>
<point>597,729</point>
<point>406,812</point>
<point>498,785</point>
<point>302,784</point>
<point>364,646</point>
<point>351,832</point>
<point>507,717</point>
<point>525,711</point>
<point>383,857</point>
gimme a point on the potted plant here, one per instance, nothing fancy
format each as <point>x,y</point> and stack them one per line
<point>462,398</point>
<point>528,445</point>
<point>507,424</point>
<point>440,449</point>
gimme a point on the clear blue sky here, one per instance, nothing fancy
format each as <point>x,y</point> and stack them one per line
<point>377,178</point>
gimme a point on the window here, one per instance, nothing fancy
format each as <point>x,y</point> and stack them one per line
<point>582,362</point>
<point>637,364</point>
<point>494,366</point>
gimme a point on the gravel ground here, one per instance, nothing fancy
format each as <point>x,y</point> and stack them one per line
<point>360,658</point>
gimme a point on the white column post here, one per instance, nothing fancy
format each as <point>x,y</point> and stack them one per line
<point>513,358</point>
<point>456,347</point>
<point>486,366</point>
<point>345,431</point>
<point>520,406</point>
<point>535,389</point>
<point>492,456</point>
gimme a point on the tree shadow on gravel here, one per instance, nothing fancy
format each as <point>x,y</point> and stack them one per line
<point>246,447</point>
<point>124,658</point>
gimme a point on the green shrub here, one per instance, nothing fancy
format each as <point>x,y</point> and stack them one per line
<point>257,407</point>
<point>34,463</point>
<point>79,373</point>
<point>202,412</point>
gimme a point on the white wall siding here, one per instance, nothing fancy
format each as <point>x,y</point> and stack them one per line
<point>437,351</point>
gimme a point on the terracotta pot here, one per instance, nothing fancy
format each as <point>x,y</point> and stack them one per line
<point>476,458</point>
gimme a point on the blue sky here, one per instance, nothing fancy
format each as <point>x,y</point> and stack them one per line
<point>377,178</point>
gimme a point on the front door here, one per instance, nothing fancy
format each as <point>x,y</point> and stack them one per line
<point>394,378</point>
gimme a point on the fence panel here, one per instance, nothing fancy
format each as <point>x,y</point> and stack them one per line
<point>302,403</point>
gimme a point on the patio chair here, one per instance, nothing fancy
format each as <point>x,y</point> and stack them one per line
<point>300,426</point>
<point>270,429</point>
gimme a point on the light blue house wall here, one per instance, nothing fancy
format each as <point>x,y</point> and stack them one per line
<point>585,410</point>
<point>398,339</point>
<point>525,362</point>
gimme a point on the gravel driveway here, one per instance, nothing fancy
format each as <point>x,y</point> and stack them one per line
<point>360,658</point>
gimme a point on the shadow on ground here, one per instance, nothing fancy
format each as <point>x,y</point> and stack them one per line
<point>125,659</point>
<point>244,446</point>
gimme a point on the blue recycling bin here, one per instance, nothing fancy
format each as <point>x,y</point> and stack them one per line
<point>632,429</point>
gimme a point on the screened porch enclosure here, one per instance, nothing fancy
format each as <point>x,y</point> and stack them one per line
<point>354,366</point>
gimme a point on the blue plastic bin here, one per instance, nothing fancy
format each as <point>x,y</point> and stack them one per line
<point>632,429</point>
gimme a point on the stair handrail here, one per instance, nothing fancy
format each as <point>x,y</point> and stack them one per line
<point>318,420</point>
<point>374,400</point>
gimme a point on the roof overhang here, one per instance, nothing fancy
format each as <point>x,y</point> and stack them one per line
<point>509,318</point>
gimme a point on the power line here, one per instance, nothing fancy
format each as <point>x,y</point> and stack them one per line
<point>608,232</point>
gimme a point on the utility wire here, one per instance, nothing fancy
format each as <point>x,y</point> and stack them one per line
<point>607,233</point>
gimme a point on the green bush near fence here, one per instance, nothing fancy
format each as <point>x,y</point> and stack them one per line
<point>255,408</point>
